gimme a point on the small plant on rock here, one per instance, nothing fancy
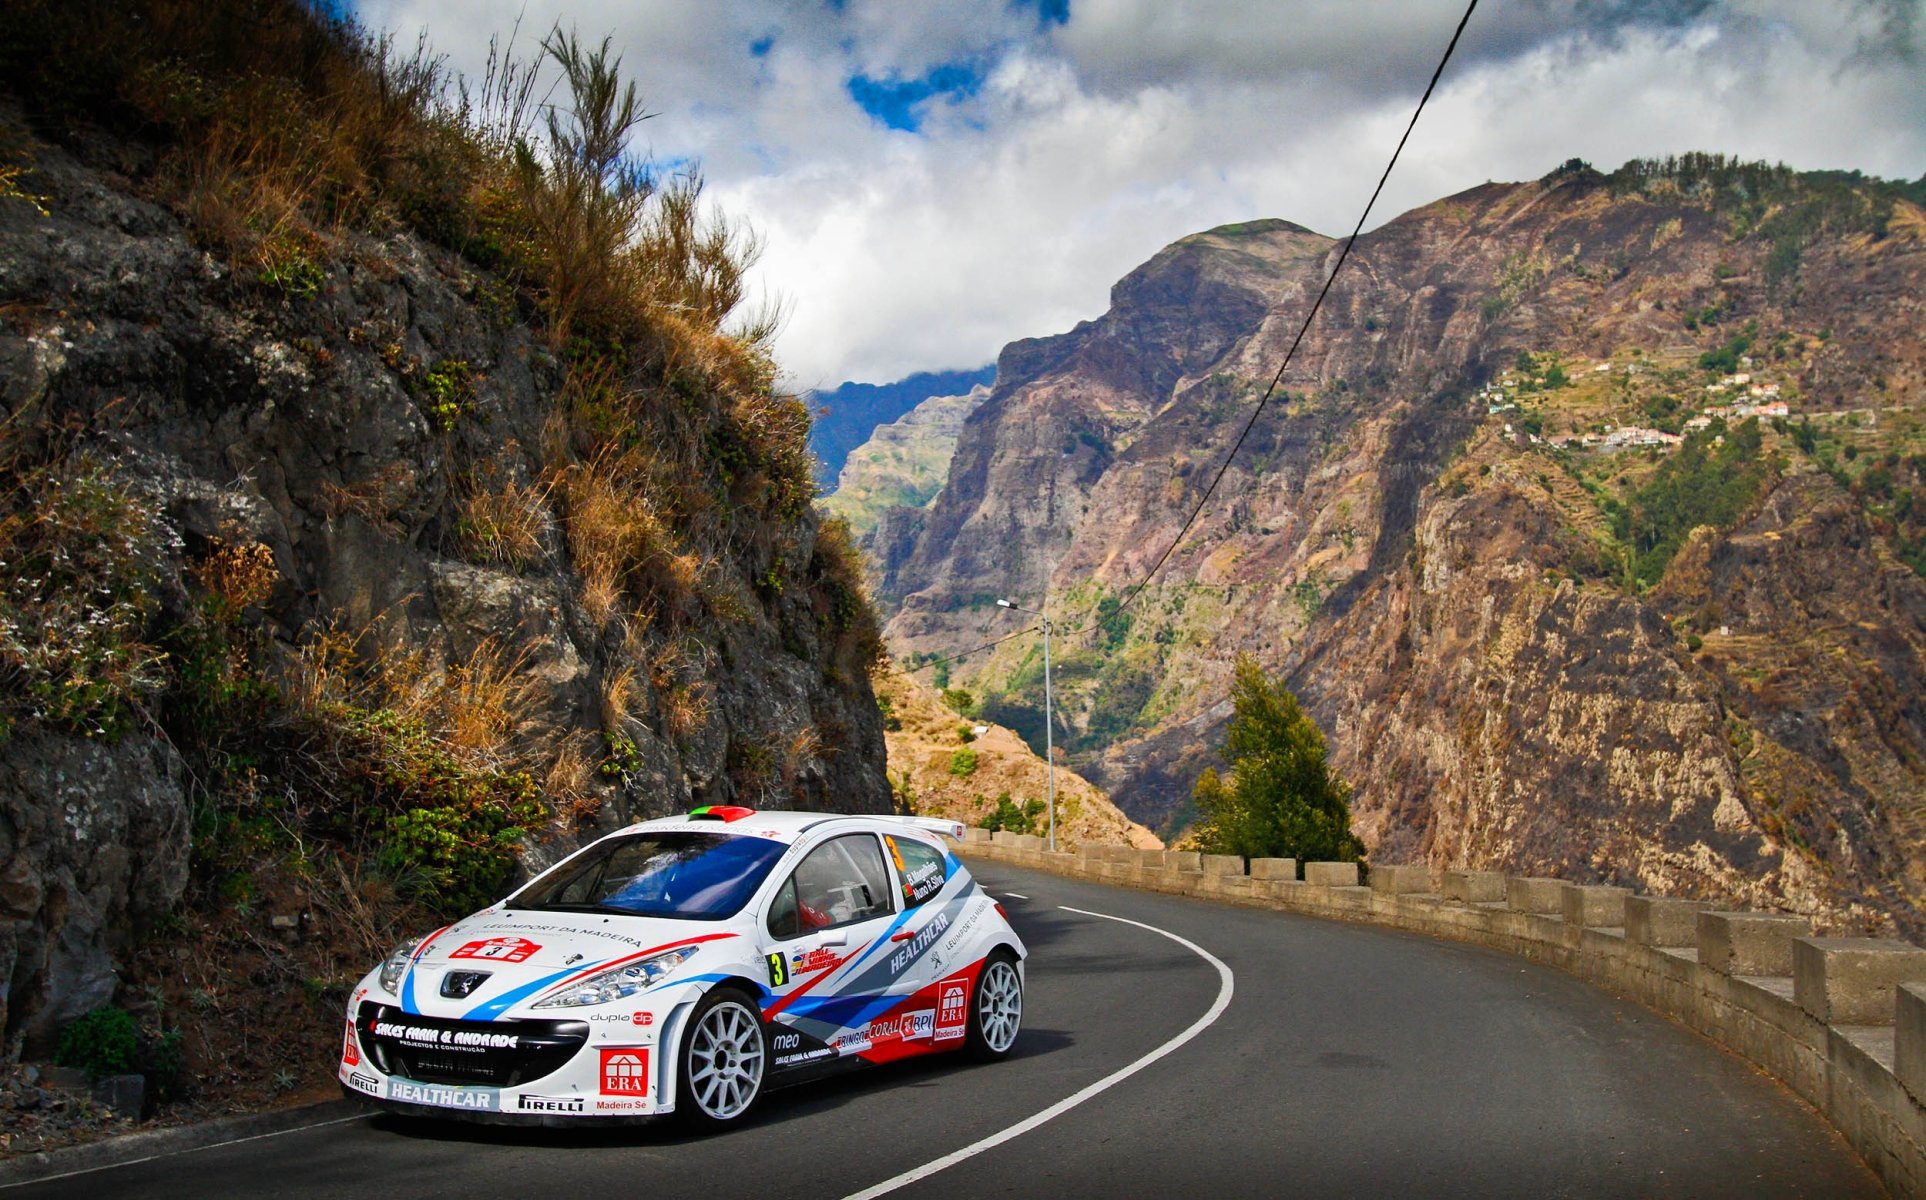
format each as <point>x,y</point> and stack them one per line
<point>104,1042</point>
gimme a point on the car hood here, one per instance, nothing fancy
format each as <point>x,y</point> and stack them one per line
<point>520,955</point>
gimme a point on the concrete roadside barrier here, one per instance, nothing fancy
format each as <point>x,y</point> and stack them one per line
<point>1840,1021</point>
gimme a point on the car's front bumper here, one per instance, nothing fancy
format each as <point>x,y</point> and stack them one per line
<point>539,1071</point>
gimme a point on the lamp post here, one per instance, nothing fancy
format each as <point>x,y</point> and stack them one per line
<point>1049,732</point>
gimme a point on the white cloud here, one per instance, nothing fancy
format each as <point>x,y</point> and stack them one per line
<point>1090,145</point>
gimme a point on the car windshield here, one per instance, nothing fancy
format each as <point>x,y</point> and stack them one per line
<point>689,875</point>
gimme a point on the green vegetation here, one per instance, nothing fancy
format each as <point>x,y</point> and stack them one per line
<point>1725,359</point>
<point>1282,800</point>
<point>963,763</point>
<point>1705,483</point>
<point>959,701</point>
<point>83,553</point>
<point>1786,208</point>
<point>104,1042</point>
<point>1011,817</point>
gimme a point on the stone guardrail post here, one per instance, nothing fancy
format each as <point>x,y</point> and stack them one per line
<point>1663,921</point>
<point>1331,874</point>
<point>1534,894</point>
<point>1475,887</point>
<point>1744,943</point>
<point>1851,981</point>
<point>1590,906</point>
<point>1400,881</point>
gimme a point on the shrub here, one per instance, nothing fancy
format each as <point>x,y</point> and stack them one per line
<point>81,558</point>
<point>104,1042</point>
<point>959,701</point>
<point>1282,800</point>
<point>963,763</point>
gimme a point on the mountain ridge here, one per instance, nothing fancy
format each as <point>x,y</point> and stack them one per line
<point>1557,310</point>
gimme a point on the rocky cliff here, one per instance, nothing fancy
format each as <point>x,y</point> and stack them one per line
<point>356,558</point>
<point>1553,616</point>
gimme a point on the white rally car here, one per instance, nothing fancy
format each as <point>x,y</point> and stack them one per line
<point>688,964</point>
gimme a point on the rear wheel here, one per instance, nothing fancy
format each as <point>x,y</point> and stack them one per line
<point>725,1056</point>
<point>996,1010</point>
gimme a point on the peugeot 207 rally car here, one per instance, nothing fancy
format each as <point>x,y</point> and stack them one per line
<point>686,965</point>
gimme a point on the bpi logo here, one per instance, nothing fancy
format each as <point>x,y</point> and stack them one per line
<point>952,1008</point>
<point>625,1072</point>
<point>501,949</point>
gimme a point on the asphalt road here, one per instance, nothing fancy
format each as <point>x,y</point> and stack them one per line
<point>1349,1061</point>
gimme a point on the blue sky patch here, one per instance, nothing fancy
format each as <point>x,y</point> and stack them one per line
<point>760,47</point>
<point>1049,12</point>
<point>894,102</point>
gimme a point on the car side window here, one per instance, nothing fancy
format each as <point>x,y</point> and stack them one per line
<point>841,882</point>
<point>921,866</point>
<point>785,921</point>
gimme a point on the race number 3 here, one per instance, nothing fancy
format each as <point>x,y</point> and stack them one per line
<point>778,970</point>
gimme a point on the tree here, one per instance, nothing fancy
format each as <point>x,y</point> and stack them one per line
<point>1282,800</point>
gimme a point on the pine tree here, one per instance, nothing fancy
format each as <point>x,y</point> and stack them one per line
<point>1282,800</point>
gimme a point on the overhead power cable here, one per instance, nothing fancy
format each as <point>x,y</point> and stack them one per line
<point>937,662</point>
<point>1265,400</point>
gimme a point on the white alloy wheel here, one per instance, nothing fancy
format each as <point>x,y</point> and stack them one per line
<point>998,1009</point>
<point>724,1063</point>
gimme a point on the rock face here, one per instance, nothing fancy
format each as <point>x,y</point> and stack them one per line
<point>245,414</point>
<point>1449,596</point>
<point>94,842</point>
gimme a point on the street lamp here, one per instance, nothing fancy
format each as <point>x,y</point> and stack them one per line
<point>1049,745</point>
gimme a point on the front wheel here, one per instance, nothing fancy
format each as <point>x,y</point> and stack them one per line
<point>725,1056</point>
<point>996,1010</point>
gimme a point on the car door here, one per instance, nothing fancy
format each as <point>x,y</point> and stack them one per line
<point>826,924</point>
<point>930,950</point>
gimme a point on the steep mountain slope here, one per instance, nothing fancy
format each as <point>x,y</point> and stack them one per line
<point>1525,654</point>
<point>847,414</point>
<point>382,514</point>
<point>935,772</point>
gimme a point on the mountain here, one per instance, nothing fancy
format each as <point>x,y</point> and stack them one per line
<point>1552,615</point>
<point>854,410</point>
<point>935,771</point>
<point>903,463</point>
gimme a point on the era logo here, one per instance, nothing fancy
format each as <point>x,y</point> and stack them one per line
<point>501,949</point>
<point>952,1008</point>
<point>625,1071</point>
<point>350,1050</point>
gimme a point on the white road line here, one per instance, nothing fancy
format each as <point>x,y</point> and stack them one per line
<point>1225,988</point>
<point>253,1137</point>
<point>1015,896</point>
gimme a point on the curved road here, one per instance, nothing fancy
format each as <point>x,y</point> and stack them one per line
<point>1350,1061</point>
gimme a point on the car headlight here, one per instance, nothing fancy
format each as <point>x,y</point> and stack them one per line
<point>397,965</point>
<point>617,982</point>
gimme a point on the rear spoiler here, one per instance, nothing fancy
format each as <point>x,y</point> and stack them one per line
<point>952,830</point>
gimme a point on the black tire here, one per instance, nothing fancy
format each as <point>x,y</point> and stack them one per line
<point>723,1061</point>
<point>996,1008</point>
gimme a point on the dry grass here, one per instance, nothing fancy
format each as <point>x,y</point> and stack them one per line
<point>504,520</point>
<point>378,499</point>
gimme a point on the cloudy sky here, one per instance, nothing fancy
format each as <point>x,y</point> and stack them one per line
<point>937,177</point>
